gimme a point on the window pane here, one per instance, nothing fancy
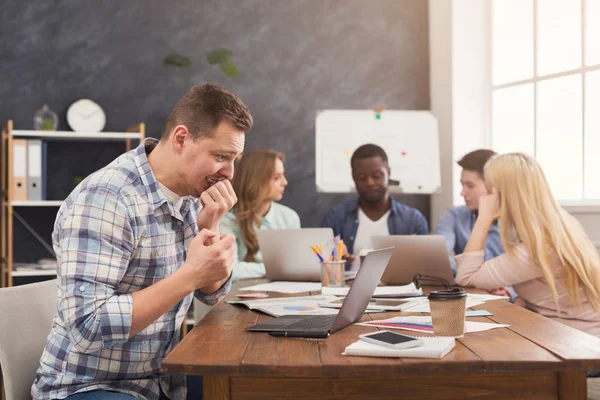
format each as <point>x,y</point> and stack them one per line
<point>592,32</point>
<point>512,40</point>
<point>559,36</point>
<point>592,135</point>
<point>559,135</point>
<point>512,119</point>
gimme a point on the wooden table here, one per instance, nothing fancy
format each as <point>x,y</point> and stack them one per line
<point>534,359</point>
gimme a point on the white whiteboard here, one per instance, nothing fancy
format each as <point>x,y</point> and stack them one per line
<point>410,139</point>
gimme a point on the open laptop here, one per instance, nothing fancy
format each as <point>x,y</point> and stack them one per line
<point>415,254</point>
<point>353,307</point>
<point>287,255</point>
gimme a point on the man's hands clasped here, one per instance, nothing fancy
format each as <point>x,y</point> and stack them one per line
<point>210,255</point>
<point>216,202</point>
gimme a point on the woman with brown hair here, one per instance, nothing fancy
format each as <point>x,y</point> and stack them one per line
<point>259,182</point>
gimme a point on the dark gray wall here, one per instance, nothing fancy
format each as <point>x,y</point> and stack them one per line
<point>295,57</point>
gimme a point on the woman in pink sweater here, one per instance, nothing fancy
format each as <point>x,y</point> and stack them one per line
<point>549,260</point>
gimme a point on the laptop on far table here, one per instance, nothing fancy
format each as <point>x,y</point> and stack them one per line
<point>287,255</point>
<point>415,254</point>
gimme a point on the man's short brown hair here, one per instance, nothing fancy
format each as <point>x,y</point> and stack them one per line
<point>203,107</point>
<point>475,160</point>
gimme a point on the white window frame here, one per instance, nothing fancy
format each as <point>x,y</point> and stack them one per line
<point>574,206</point>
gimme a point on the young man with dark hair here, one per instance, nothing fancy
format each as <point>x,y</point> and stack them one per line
<point>373,212</point>
<point>456,223</point>
<point>134,243</point>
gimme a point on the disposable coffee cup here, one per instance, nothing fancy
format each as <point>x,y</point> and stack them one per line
<point>448,309</point>
<point>332,273</point>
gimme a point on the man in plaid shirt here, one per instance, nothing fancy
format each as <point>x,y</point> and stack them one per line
<point>135,241</point>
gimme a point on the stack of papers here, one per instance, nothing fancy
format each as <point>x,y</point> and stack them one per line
<point>422,305</point>
<point>303,305</point>
<point>377,304</point>
<point>381,291</point>
<point>423,324</point>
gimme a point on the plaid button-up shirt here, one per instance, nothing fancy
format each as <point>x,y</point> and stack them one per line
<point>115,234</point>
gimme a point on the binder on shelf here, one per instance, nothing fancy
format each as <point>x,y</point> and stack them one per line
<point>44,170</point>
<point>34,170</point>
<point>19,169</point>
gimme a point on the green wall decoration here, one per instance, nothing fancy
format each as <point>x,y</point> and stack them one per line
<point>219,56</point>
<point>177,60</point>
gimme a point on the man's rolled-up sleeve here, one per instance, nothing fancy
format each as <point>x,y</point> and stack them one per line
<point>213,298</point>
<point>94,244</point>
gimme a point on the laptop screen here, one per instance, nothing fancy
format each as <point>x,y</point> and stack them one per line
<point>362,288</point>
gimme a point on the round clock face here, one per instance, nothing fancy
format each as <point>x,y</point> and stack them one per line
<point>86,116</point>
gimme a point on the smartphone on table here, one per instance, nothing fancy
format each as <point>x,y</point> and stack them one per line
<point>391,339</point>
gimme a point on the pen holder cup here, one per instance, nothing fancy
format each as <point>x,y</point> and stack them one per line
<point>332,273</point>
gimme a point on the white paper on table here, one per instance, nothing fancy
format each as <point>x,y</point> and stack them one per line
<point>485,297</point>
<point>405,290</point>
<point>423,306</point>
<point>286,287</point>
<point>470,326</point>
<point>303,305</point>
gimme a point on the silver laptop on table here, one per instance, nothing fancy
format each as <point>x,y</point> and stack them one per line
<point>287,255</point>
<point>353,307</point>
<point>415,254</point>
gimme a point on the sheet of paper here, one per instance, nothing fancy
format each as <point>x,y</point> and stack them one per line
<point>303,305</point>
<point>472,326</point>
<point>424,324</point>
<point>423,306</point>
<point>376,304</point>
<point>479,313</point>
<point>286,287</point>
<point>405,290</point>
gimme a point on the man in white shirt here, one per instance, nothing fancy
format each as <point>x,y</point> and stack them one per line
<point>374,211</point>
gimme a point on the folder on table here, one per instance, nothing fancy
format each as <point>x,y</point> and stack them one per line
<point>19,154</point>
<point>34,169</point>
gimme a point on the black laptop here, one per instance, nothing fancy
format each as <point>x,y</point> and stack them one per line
<point>353,307</point>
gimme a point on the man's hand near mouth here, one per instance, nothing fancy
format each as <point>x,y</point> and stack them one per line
<point>216,201</point>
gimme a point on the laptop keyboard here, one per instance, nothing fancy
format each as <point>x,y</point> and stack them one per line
<point>318,322</point>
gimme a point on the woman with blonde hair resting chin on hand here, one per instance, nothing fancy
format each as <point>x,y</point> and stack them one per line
<point>550,262</point>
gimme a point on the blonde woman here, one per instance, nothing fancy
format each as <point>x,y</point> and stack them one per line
<point>259,182</point>
<point>549,259</point>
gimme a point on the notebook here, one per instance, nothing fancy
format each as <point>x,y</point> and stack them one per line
<point>433,347</point>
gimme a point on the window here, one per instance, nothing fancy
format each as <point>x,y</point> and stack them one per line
<point>545,100</point>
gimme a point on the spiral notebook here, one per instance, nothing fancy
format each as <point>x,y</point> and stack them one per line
<point>433,347</point>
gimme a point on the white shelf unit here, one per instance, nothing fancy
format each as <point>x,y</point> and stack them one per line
<point>7,201</point>
<point>41,203</point>
<point>78,136</point>
<point>34,272</point>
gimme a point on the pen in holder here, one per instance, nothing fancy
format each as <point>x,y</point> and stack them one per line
<point>332,273</point>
